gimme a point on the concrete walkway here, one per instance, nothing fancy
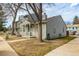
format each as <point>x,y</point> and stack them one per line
<point>5,49</point>
<point>10,41</point>
<point>69,49</point>
<point>16,40</point>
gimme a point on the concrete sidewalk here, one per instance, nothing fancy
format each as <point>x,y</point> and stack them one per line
<point>5,49</point>
<point>69,49</point>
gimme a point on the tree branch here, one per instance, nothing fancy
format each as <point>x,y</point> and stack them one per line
<point>36,13</point>
<point>29,13</point>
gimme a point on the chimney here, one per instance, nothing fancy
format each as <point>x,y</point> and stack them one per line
<point>45,16</point>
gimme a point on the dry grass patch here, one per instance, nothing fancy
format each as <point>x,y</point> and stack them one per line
<point>10,37</point>
<point>2,34</point>
<point>14,37</point>
<point>35,48</point>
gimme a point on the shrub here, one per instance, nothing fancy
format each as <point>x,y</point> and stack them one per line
<point>7,36</point>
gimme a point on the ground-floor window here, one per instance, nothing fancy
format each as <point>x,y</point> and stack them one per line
<point>27,27</point>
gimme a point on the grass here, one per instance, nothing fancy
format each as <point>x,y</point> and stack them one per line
<point>14,37</point>
<point>2,34</point>
<point>35,48</point>
<point>9,37</point>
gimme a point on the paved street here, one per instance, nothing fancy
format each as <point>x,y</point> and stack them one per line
<point>5,49</point>
<point>69,49</point>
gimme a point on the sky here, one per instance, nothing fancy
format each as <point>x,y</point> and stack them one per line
<point>67,10</point>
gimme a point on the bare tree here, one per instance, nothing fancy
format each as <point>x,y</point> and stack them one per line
<point>14,10</point>
<point>37,9</point>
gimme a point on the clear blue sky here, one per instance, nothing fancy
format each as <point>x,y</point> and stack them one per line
<point>66,10</point>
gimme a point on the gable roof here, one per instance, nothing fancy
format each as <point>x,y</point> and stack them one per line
<point>43,20</point>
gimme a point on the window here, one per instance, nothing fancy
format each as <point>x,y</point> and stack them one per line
<point>31,25</point>
<point>73,27</point>
<point>63,29</point>
<point>76,27</point>
<point>23,28</point>
<point>54,30</point>
<point>27,26</point>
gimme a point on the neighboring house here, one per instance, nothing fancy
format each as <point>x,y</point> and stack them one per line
<point>73,28</point>
<point>53,27</point>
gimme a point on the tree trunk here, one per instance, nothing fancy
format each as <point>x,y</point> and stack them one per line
<point>13,25</point>
<point>13,28</point>
<point>40,31</point>
<point>38,13</point>
<point>40,23</point>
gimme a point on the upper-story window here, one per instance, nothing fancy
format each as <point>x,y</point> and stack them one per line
<point>76,27</point>
<point>72,27</point>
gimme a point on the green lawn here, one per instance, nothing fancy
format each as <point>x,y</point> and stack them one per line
<point>35,48</point>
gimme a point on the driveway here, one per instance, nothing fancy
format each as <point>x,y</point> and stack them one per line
<point>5,49</point>
<point>69,49</point>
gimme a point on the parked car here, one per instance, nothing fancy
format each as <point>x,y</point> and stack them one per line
<point>77,34</point>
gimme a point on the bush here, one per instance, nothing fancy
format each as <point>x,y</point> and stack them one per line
<point>7,36</point>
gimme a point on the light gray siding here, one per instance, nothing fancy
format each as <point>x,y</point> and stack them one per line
<point>56,27</point>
